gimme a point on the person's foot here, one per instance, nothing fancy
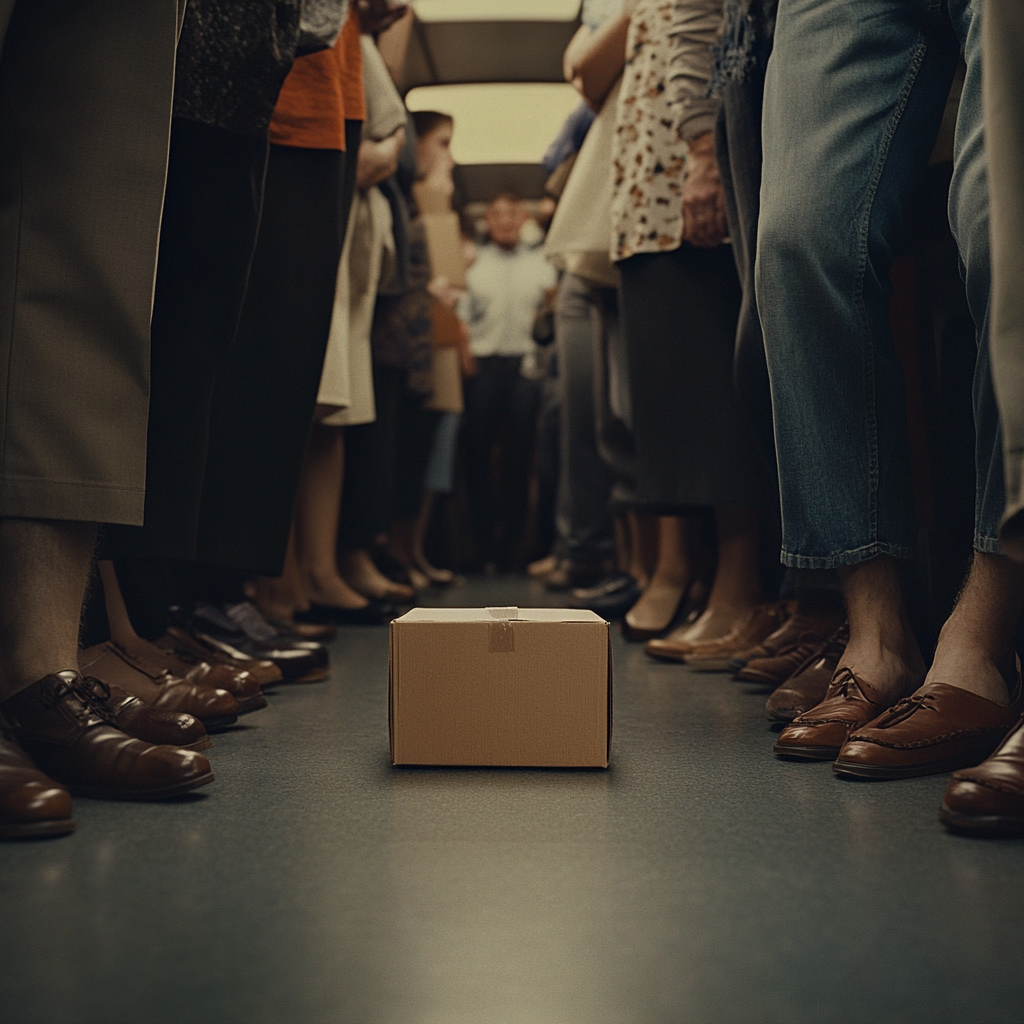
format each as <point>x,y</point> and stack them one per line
<point>439,577</point>
<point>818,620</point>
<point>807,686</point>
<point>167,666</point>
<point>73,741</point>
<point>32,806</point>
<point>358,570</point>
<point>989,800</point>
<point>850,703</point>
<point>938,728</point>
<point>661,604</point>
<point>749,629</point>
<point>329,590</point>
<point>277,597</point>
<point>542,567</point>
<point>213,706</point>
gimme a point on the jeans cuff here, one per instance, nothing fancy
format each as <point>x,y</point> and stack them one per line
<point>987,545</point>
<point>840,558</point>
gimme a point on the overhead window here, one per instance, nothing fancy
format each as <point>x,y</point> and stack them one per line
<point>496,10</point>
<point>499,123</point>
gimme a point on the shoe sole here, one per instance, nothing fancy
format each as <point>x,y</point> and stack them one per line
<point>249,704</point>
<point>805,753</point>
<point>666,656</point>
<point>201,744</point>
<point>911,771</point>
<point>164,793</point>
<point>38,829</point>
<point>982,825</point>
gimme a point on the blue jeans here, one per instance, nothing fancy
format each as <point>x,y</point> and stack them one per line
<point>854,95</point>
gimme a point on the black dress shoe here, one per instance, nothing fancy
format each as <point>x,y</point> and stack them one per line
<point>612,597</point>
<point>376,613</point>
<point>303,661</point>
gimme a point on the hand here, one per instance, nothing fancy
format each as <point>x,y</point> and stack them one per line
<point>704,222</point>
<point>377,15</point>
<point>445,292</point>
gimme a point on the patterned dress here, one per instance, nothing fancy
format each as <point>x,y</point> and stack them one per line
<point>650,158</point>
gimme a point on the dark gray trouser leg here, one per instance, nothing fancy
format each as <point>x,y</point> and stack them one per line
<point>583,519</point>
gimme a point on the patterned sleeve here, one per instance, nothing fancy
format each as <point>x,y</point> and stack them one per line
<point>695,28</point>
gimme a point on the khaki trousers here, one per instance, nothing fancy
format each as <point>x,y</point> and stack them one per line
<point>1003,25</point>
<point>85,104</point>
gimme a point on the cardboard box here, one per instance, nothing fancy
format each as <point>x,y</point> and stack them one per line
<point>527,687</point>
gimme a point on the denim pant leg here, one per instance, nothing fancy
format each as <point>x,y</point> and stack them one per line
<point>969,220</point>
<point>584,489</point>
<point>853,98</point>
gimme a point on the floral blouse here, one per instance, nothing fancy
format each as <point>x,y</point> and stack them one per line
<point>662,104</point>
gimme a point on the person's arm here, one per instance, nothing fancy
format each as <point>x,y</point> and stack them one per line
<point>593,60</point>
<point>378,160</point>
<point>695,27</point>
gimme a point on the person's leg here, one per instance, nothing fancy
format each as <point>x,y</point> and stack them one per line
<point>853,98</point>
<point>976,646</point>
<point>517,462</point>
<point>45,568</point>
<point>669,583</point>
<point>1003,27</point>
<point>316,521</point>
<point>274,366</point>
<point>480,425</point>
<point>583,519</point>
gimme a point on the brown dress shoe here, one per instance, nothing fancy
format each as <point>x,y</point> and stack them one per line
<point>215,708</point>
<point>806,687</point>
<point>186,646</point>
<point>819,734</point>
<point>156,663</point>
<point>989,800</point>
<point>759,624</point>
<point>32,806</point>
<point>75,742</point>
<point>138,719</point>
<point>773,671</point>
<point>798,623</point>
<point>938,728</point>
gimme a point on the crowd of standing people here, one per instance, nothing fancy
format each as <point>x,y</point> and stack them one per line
<point>249,343</point>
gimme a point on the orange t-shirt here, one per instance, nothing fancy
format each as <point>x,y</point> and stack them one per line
<point>321,91</point>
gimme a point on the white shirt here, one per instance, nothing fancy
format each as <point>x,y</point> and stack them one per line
<point>504,288</point>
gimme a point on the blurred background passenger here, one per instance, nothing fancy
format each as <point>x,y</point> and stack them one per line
<point>505,286</point>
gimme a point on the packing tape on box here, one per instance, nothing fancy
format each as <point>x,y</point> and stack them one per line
<point>501,637</point>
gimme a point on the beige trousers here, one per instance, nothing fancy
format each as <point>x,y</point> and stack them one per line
<point>1003,49</point>
<point>85,104</point>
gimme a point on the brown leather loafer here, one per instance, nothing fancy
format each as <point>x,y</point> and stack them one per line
<point>806,687</point>
<point>74,741</point>
<point>156,663</point>
<point>938,728</point>
<point>989,800</point>
<point>136,718</point>
<point>215,708</point>
<point>819,734</point>
<point>758,625</point>
<point>796,624</point>
<point>32,806</point>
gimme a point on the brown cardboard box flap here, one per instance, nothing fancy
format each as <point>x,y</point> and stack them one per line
<point>526,687</point>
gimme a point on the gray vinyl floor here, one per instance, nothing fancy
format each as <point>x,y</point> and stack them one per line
<point>697,879</point>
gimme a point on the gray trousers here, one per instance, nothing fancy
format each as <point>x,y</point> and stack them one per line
<point>1003,84</point>
<point>85,106</point>
<point>582,517</point>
